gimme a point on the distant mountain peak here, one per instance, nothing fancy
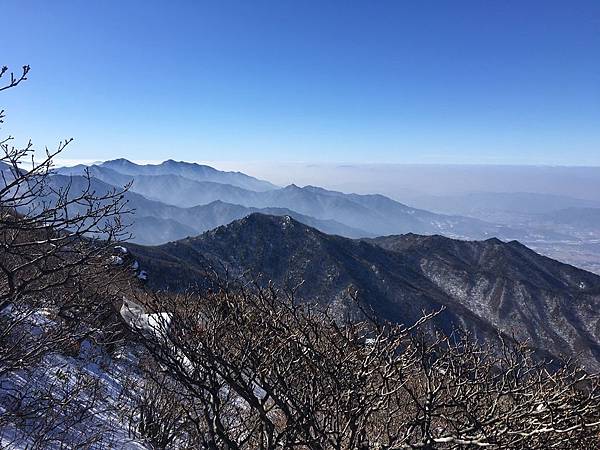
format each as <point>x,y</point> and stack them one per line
<point>118,161</point>
<point>191,171</point>
<point>172,162</point>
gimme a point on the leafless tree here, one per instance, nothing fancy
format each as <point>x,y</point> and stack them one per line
<point>257,369</point>
<point>57,286</point>
<point>157,412</point>
<point>56,411</point>
<point>49,250</point>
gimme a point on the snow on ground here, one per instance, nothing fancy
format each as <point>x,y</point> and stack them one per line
<point>122,250</point>
<point>116,260</point>
<point>72,402</point>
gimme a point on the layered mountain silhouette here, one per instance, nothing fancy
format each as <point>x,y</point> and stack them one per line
<point>205,198</point>
<point>153,222</point>
<point>489,287</point>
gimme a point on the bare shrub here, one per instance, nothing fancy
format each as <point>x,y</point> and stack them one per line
<point>57,289</point>
<point>260,370</point>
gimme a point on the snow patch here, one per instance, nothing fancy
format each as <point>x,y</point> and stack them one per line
<point>116,260</point>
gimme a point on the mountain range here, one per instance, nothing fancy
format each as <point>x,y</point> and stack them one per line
<point>190,217</point>
<point>488,287</point>
<point>176,199</point>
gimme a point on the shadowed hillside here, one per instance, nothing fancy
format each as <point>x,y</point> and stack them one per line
<point>485,286</point>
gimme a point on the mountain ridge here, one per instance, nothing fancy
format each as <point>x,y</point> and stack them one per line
<point>156,222</point>
<point>374,214</point>
<point>486,287</point>
<point>194,171</point>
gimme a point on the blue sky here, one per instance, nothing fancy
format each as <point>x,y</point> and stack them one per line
<point>511,82</point>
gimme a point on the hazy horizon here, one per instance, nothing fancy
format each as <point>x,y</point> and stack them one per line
<point>406,182</point>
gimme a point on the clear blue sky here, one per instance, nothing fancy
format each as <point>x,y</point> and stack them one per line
<point>323,81</point>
